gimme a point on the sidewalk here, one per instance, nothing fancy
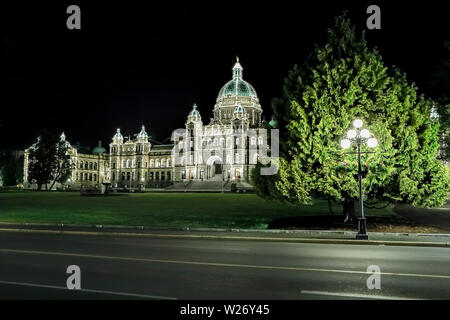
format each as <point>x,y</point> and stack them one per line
<point>301,236</point>
<point>439,217</point>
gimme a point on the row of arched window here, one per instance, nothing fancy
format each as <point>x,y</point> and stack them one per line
<point>85,176</point>
<point>88,165</point>
<point>229,159</point>
<point>154,163</point>
<point>128,176</point>
<point>137,148</point>
<point>220,142</point>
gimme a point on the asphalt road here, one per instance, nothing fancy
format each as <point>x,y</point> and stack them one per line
<point>33,266</point>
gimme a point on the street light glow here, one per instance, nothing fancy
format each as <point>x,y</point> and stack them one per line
<point>357,123</point>
<point>351,134</point>
<point>372,142</point>
<point>365,133</point>
<point>345,144</point>
<point>359,136</point>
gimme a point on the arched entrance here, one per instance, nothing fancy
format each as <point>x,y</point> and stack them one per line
<point>214,167</point>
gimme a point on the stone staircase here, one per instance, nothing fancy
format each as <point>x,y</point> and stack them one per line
<point>212,185</point>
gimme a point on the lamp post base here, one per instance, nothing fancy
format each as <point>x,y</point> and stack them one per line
<point>362,233</point>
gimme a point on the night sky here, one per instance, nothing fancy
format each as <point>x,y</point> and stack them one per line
<point>132,64</point>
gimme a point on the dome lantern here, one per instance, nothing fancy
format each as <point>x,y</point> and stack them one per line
<point>118,138</point>
<point>237,70</point>
<point>194,115</point>
<point>142,136</point>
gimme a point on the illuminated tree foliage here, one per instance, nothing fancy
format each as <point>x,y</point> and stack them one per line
<point>62,164</point>
<point>48,161</point>
<point>339,82</point>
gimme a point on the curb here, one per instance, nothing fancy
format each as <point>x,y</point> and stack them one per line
<point>238,238</point>
<point>234,230</point>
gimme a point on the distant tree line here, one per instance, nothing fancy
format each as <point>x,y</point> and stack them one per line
<point>11,168</point>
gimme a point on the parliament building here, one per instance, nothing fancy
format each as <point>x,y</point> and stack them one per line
<point>226,149</point>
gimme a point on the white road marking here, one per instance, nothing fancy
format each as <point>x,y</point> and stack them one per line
<point>87,290</point>
<point>218,264</point>
<point>355,295</point>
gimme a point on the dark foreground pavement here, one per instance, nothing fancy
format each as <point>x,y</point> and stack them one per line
<point>33,266</point>
<point>439,218</point>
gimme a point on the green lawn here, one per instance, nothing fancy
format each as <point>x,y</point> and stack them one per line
<point>154,209</point>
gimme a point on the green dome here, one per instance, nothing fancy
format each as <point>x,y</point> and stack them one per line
<point>273,123</point>
<point>237,86</point>
<point>99,149</point>
<point>143,134</point>
<point>194,113</point>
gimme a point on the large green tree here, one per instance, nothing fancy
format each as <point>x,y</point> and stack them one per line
<point>340,81</point>
<point>62,164</point>
<point>48,161</point>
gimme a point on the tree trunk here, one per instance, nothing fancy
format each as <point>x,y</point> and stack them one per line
<point>56,177</point>
<point>54,181</point>
<point>349,210</point>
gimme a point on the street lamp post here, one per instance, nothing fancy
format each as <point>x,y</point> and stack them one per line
<point>359,136</point>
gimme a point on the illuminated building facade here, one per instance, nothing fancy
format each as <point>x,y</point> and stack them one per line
<point>227,148</point>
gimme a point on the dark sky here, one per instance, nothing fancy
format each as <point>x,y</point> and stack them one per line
<point>132,64</point>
